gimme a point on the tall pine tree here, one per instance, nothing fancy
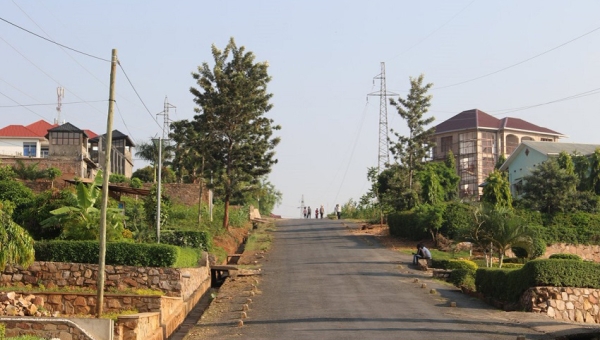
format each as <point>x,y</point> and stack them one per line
<point>230,124</point>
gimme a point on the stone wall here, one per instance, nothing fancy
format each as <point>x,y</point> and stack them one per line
<point>143,326</point>
<point>587,252</point>
<point>182,193</point>
<point>44,328</point>
<point>172,281</point>
<point>564,303</point>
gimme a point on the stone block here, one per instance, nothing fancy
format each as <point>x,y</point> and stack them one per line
<point>569,305</point>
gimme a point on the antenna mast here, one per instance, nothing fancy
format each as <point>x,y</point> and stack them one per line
<point>383,157</point>
<point>60,93</point>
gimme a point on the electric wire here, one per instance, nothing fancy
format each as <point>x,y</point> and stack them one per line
<point>137,94</point>
<point>52,104</point>
<point>35,113</point>
<point>434,31</point>
<point>123,120</point>
<point>520,62</point>
<point>52,41</point>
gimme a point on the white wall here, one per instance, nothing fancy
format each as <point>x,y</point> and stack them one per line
<point>14,146</point>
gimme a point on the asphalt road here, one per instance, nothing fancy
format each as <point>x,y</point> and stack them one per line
<point>323,282</point>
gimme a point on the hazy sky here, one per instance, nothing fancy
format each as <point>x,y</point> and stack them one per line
<point>323,56</point>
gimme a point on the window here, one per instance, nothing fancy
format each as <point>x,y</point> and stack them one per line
<point>467,143</point>
<point>45,152</point>
<point>65,138</point>
<point>446,144</point>
<point>30,149</point>
<point>547,140</point>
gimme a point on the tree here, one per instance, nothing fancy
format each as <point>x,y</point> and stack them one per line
<point>16,246</point>
<point>232,130</point>
<point>394,191</point>
<point>594,178</point>
<point>497,190</point>
<point>412,150</point>
<point>53,173</point>
<point>431,216</point>
<point>500,161</point>
<point>566,162</point>
<point>550,189</point>
<point>148,151</point>
<point>582,168</point>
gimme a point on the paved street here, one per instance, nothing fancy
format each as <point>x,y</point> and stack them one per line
<point>322,282</point>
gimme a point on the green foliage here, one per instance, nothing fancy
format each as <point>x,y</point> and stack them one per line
<point>117,253</point>
<point>454,264</point>
<point>15,192</point>
<point>188,258</point>
<point>512,265</point>
<point>231,129</point>
<point>118,178</point>
<point>509,284</point>
<point>192,239</point>
<point>82,220</point>
<point>431,217</point>
<point>411,150</point>
<point>356,210</point>
<point>574,228</point>
<point>28,172</point>
<point>497,189</point>
<point>561,256</point>
<point>31,216</point>
<point>463,278</point>
<point>458,219</point>
<point>405,224</point>
<point>394,191</point>
<point>135,183</point>
<point>150,208</point>
<point>500,161</point>
<point>145,174</point>
<point>16,246</point>
<point>7,173</point>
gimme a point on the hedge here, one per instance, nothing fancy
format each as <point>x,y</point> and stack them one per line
<point>190,238</point>
<point>406,224</point>
<point>463,271</point>
<point>509,284</point>
<point>454,264</point>
<point>117,253</point>
<point>562,256</point>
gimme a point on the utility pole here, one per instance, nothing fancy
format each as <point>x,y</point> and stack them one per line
<point>383,156</point>
<point>302,206</point>
<point>106,175</point>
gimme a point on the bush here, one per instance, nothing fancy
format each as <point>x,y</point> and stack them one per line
<point>512,259</point>
<point>406,224</point>
<point>188,258</point>
<point>509,284</point>
<point>463,278</point>
<point>512,265</point>
<point>566,257</point>
<point>193,239</point>
<point>117,253</point>
<point>454,264</point>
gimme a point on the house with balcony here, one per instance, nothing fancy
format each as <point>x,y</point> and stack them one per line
<point>530,154</point>
<point>76,152</point>
<point>477,140</point>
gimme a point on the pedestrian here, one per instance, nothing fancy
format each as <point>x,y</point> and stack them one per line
<point>322,210</point>
<point>308,212</point>
<point>317,213</point>
<point>304,211</point>
<point>422,253</point>
<point>338,211</point>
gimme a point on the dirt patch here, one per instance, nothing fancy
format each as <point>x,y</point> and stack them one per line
<point>382,233</point>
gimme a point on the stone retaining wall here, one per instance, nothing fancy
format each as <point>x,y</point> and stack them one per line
<point>172,281</point>
<point>587,252</point>
<point>564,303</point>
<point>45,328</point>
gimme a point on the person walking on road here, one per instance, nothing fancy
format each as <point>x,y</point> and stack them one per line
<point>308,212</point>
<point>317,213</point>
<point>338,211</point>
<point>322,210</point>
<point>304,211</point>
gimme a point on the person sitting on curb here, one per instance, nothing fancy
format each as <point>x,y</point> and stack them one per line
<point>422,253</point>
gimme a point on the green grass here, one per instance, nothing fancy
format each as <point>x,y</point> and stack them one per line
<point>42,289</point>
<point>261,238</point>
<point>188,258</point>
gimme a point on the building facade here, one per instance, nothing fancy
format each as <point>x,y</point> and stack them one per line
<point>477,140</point>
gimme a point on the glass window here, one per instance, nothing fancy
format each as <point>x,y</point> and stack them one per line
<point>30,149</point>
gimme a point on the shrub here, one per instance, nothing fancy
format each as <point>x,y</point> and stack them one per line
<point>512,259</point>
<point>512,265</point>
<point>463,278</point>
<point>406,224</point>
<point>188,257</point>
<point>193,239</point>
<point>454,264</point>
<point>117,253</point>
<point>566,257</point>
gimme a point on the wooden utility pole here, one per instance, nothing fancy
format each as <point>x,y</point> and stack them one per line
<point>106,175</point>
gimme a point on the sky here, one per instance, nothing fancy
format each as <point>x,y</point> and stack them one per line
<point>534,60</point>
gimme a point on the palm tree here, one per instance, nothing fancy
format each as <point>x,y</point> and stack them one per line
<point>16,246</point>
<point>149,152</point>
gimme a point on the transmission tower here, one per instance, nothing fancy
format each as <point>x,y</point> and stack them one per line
<point>166,120</point>
<point>383,155</point>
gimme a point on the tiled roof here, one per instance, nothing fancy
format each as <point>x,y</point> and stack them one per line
<point>116,135</point>
<point>66,127</point>
<point>91,134</point>
<point>550,149</point>
<point>477,119</point>
<point>18,131</point>
<point>41,127</point>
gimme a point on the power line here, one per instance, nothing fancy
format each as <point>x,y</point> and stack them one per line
<point>52,41</point>
<point>434,31</point>
<point>35,113</point>
<point>520,62</point>
<point>137,94</point>
<point>27,105</point>
<point>123,120</point>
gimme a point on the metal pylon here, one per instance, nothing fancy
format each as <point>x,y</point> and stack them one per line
<point>383,157</point>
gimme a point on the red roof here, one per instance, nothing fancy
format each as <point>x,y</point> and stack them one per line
<point>477,119</point>
<point>40,127</point>
<point>17,131</point>
<point>91,134</point>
